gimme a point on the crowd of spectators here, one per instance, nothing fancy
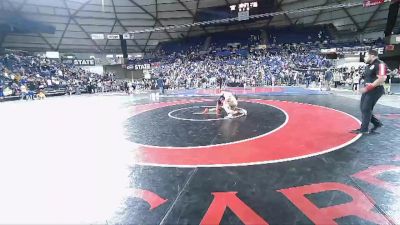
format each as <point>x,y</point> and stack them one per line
<point>280,64</point>
<point>283,64</point>
<point>32,77</point>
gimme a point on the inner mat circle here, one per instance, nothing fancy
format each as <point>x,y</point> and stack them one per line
<point>156,128</point>
<point>196,114</point>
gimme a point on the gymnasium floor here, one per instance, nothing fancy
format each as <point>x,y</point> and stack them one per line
<point>146,159</point>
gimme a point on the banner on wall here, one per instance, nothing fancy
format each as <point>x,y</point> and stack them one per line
<point>84,62</point>
<point>155,65</point>
<point>138,67</point>
<point>53,55</point>
<point>113,37</point>
<point>328,51</point>
<point>127,36</point>
<point>357,50</point>
<point>370,3</point>
<point>97,36</point>
<point>67,61</point>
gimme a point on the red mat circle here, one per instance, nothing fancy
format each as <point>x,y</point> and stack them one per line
<point>310,130</point>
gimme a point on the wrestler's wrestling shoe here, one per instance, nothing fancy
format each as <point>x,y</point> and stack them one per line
<point>205,111</point>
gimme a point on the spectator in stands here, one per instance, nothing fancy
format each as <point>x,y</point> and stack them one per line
<point>30,95</point>
<point>279,64</point>
<point>336,78</point>
<point>24,91</point>
<point>388,84</point>
<point>31,72</point>
<point>356,82</point>
<point>328,79</point>
<point>41,95</point>
<point>321,79</point>
<point>307,78</point>
<point>160,84</point>
<point>69,90</point>
<point>1,89</point>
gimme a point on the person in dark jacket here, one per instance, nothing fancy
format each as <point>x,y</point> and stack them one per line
<point>375,75</point>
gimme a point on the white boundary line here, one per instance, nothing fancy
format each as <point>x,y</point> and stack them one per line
<point>269,161</point>
<point>199,120</point>
<point>230,143</point>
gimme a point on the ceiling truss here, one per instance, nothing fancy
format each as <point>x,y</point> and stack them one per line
<point>76,20</point>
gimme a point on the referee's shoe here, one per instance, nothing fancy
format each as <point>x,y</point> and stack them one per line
<point>376,127</point>
<point>359,131</point>
<point>371,131</point>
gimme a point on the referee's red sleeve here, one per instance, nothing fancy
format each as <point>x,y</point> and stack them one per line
<point>382,70</point>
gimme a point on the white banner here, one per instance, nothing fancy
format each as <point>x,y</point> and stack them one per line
<point>330,50</point>
<point>261,47</point>
<point>84,62</point>
<point>127,36</point>
<point>139,67</point>
<point>113,36</point>
<point>97,36</point>
<point>53,55</point>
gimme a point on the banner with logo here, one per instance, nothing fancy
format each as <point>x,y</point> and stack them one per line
<point>97,36</point>
<point>356,50</point>
<point>113,37</point>
<point>328,51</point>
<point>67,61</point>
<point>370,3</point>
<point>127,36</point>
<point>155,65</point>
<point>138,67</point>
<point>84,62</point>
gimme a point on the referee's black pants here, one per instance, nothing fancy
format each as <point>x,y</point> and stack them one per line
<point>368,101</point>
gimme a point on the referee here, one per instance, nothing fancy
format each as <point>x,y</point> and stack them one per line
<point>375,76</point>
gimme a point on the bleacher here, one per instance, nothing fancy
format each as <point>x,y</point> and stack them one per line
<point>239,43</point>
<point>297,34</point>
<point>243,37</point>
<point>50,92</point>
<point>183,46</point>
